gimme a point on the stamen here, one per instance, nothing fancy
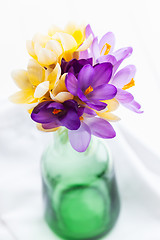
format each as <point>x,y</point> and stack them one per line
<point>81,118</point>
<point>107,48</point>
<point>129,85</point>
<point>56,111</point>
<point>88,90</point>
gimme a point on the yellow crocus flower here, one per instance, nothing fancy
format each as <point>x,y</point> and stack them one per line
<point>50,49</point>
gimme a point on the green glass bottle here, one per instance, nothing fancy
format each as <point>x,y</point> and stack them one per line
<point>79,189</point>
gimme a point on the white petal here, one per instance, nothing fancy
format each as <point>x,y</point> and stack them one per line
<point>54,46</point>
<point>63,96</point>
<point>46,56</point>
<point>41,89</point>
<point>86,44</point>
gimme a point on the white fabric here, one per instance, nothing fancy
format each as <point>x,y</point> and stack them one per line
<point>21,209</point>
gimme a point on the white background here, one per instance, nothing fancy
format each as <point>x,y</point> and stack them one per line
<point>134,23</point>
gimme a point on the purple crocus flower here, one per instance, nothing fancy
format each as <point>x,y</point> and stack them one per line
<point>123,80</point>
<point>53,114</point>
<point>90,125</point>
<point>92,86</point>
<point>102,51</point>
<point>74,66</point>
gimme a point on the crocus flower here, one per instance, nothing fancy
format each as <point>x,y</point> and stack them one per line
<point>53,114</point>
<point>102,51</point>
<point>34,83</point>
<point>123,80</point>
<point>91,86</point>
<point>90,125</point>
<point>50,49</point>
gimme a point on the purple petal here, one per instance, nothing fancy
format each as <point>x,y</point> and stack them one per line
<point>55,105</point>
<point>71,104</point>
<point>89,112</point>
<point>80,138</point>
<point>80,111</point>
<point>88,31</point>
<point>95,49</point>
<point>96,104</point>
<point>85,77</point>
<point>70,120</point>
<point>84,54</point>
<point>51,125</point>
<point>120,55</point>
<point>41,106</point>
<point>103,92</point>
<point>71,83</point>
<point>101,128</point>
<point>124,96</point>
<point>107,38</point>
<point>81,95</point>
<point>107,58</point>
<point>103,73</point>
<point>133,106</point>
<point>124,76</point>
<point>43,116</point>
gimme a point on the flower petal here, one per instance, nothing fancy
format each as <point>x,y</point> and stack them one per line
<point>85,77</point>
<point>40,128</point>
<point>70,120</point>
<point>86,44</point>
<point>21,79</point>
<point>124,76</point>
<point>120,55</point>
<point>43,115</point>
<point>103,92</point>
<point>96,104</point>
<point>124,96</point>
<point>102,74</point>
<point>107,58</point>
<point>112,104</point>
<point>63,96</point>
<point>25,96</point>
<point>101,128</point>
<point>36,72</point>
<point>71,83</point>
<point>95,49</point>
<point>108,38</point>
<point>41,89</point>
<point>80,138</point>
<point>133,106</point>
<point>88,31</point>
<point>67,41</point>
<point>54,76</point>
<point>52,125</point>
<point>108,116</point>
<point>46,56</point>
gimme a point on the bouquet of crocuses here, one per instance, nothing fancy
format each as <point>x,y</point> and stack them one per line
<point>72,80</point>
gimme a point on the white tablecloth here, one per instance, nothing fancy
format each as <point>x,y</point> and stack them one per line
<point>21,210</point>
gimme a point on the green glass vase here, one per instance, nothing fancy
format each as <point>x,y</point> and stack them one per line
<point>79,189</point>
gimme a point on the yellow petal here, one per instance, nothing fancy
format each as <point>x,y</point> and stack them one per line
<point>36,72</point>
<point>63,96</point>
<point>23,96</point>
<point>54,76</point>
<point>39,127</point>
<point>41,39</point>
<point>112,104</point>
<point>55,46</point>
<point>60,85</point>
<point>46,57</point>
<point>53,29</point>
<point>41,89</point>
<point>30,48</point>
<point>77,32</point>
<point>108,116</point>
<point>67,41</point>
<point>86,44</point>
<point>21,79</point>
